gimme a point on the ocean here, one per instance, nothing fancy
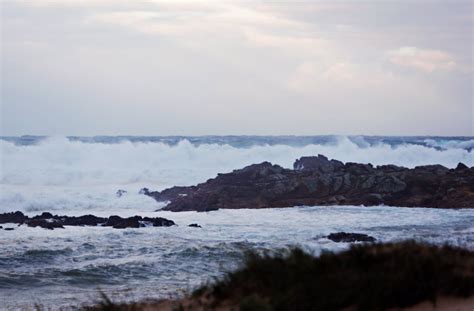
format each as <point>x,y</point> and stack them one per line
<point>80,175</point>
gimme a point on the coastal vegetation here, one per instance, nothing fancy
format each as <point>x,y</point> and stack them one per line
<point>365,277</point>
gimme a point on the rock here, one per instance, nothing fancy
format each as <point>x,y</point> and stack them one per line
<point>320,181</point>
<point>194,226</point>
<point>137,222</point>
<point>118,222</point>
<point>461,166</point>
<point>358,168</point>
<point>44,215</point>
<point>14,217</point>
<point>50,221</point>
<point>86,220</point>
<point>120,193</point>
<point>320,163</point>
<point>44,223</point>
<point>144,191</point>
<point>350,237</point>
<point>130,222</point>
<point>159,221</point>
<point>390,168</point>
<point>9,229</point>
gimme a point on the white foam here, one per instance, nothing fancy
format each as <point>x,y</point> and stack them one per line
<point>61,174</point>
<point>58,161</point>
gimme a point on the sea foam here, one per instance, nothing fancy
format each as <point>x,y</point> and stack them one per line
<point>60,161</point>
<point>58,173</point>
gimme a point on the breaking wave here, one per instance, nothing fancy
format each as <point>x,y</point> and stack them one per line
<point>61,161</point>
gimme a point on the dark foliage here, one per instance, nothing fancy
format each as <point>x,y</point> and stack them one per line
<point>369,277</point>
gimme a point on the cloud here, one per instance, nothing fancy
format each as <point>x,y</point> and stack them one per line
<point>176,18</point>
<point>421,59</point>
<point>167,61</point>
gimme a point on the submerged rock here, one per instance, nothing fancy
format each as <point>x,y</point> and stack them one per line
<point>350,237</point>
<point>120,193</point>
<point>320,181</point>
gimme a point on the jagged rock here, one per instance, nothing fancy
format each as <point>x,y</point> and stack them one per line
<point>194,226</point>
<point>320,181</point>
<point>320,163</point>
<point>350,237</point>
<point>461,166</point>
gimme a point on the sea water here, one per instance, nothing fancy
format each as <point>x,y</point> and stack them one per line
<point>80,175</point>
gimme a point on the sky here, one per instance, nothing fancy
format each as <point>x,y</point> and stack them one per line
<point>173,67</point>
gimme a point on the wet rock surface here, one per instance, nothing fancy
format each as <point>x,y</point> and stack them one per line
<point>49,221</point>
<point>320,181</point>
<point>348,237</point>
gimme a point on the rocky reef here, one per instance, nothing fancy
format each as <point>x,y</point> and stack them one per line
<point>320,181</point>
<point>49,221</point>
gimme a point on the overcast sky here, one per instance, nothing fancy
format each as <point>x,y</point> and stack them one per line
<point>171,67</point>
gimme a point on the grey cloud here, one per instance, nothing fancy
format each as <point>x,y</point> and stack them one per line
<point>161,67</point>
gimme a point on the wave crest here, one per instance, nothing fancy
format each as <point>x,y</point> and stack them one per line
<point>60,161</point>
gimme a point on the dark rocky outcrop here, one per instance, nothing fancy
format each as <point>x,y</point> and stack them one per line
<point>194,226</point>
<point>350,237</point>
<point>85,220</point>
<point>158,222</point>
<point>137,222</point>
<point>121,223</point>
<point>320,181</point>
<point>49,221</point>
<point>168,194</point>
<point>319,163</point>
<point>14,217</point>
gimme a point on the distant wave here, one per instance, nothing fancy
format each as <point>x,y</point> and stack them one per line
<point>62,161</point>
<point>439,142</point>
